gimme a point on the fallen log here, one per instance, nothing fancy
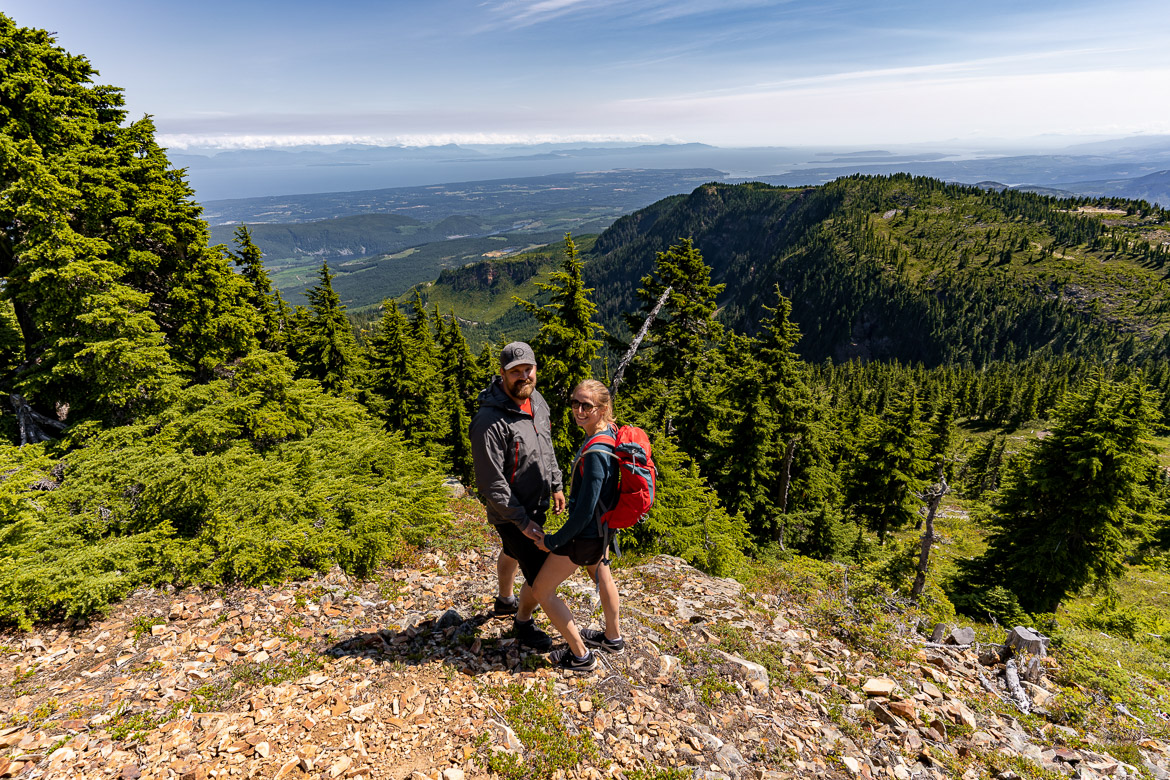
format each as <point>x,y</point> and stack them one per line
<point>1012,677</point>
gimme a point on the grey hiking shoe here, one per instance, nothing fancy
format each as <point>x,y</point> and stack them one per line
<point>594,638</point>
<point>564,659</point>
<point>530,636</point>
<point>506,606</point>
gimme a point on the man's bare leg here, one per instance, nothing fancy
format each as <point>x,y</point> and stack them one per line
<point>506,568</point>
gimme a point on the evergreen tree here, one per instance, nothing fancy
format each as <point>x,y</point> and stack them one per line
<point>566,344</point>
<point>677,377</point>
<point>122,366</point>
<point>981,473</point>
<point>460,376</point>
<point>419,329</point>
<point>686,325</point>
<point>252,477</point>
<point>890,469</point>
<point>267,302</point>
<point>327,351</point>
<point>768,459</point>
<point>458,440</point>
<point>403,386</point>
<point>92,216</point>
<point>459,364</point>
<point>1076,502</point>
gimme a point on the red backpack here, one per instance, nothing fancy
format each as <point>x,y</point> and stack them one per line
<point>636,475</point>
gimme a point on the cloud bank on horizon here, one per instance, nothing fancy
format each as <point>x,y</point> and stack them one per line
<point>262,73</point>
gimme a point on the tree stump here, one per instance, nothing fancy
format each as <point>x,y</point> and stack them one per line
<point>1027,640</point>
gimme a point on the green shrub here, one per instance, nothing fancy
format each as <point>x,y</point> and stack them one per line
<point>535,715</point>
<point>996,603</point>
<point>253,479</point>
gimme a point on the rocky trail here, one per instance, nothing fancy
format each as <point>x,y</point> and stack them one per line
<point>409,676</point>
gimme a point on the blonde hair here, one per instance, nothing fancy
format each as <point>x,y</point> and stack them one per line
<point>600,395</point>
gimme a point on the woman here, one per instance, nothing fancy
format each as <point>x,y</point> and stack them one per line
<point>579,542</point>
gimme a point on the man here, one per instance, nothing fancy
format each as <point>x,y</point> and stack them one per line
<point>517,475</point>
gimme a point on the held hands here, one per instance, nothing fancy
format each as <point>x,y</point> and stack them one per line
<point>534,532</point>
<point>558,502</point>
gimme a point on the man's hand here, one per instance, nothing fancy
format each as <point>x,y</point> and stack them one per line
<point>533,531</point>
<point>558,502</point>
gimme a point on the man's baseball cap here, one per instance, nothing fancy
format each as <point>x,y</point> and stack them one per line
<point>515,354</point>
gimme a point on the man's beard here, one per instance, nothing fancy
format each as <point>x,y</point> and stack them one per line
<point>521,389</point>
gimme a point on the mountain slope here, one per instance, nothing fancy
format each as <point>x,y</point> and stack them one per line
<point>911,269</point>
<point>410,673</point>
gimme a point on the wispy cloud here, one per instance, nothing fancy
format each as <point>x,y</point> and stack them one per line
<point>227,142</point>
<point>985,67</point>
<point>522,13</point>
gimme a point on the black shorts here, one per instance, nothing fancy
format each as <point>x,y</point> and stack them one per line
<point>523,549</point>
<point>583,552</point>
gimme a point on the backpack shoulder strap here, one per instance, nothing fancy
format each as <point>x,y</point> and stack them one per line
<point>605,438</point>
<point>602,442</point>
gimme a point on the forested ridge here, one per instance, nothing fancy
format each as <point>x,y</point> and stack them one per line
<point>916,270</point>
<point>830,363</point>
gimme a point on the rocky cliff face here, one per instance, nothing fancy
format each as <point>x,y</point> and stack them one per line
<point>410,677</point>
<point>487,276</point>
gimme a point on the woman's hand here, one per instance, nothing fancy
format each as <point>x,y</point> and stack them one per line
<point>534,532</point>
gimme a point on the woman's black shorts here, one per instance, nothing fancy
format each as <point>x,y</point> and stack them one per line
<point>583,552</point>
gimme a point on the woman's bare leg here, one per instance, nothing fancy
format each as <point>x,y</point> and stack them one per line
<point>609,598</point>
<point>557,569</point>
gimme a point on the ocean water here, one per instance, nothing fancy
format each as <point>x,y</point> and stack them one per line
<point>217,182</point>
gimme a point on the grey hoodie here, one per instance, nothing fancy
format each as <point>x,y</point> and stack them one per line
<point>515,468</point>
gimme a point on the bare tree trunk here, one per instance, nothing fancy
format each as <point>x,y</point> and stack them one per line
<point>621,369</point>
<point>933,497</point>
<point>32,423</point>
<point>787,478</point>
<point>785,484</point>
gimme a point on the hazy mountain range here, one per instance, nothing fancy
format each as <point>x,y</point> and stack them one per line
<point>1121,167</point>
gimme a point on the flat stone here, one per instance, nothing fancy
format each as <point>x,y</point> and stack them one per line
<point>994,655</point>
<point>884,715</point>
<point>755,675</point>
<point>667,665</point>
<point>340,766</point>
<point>1040,696</point>
<point>879,686</point>
<point>903,709</point>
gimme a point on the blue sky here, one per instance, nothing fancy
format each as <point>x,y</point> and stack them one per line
<point>724,72</point>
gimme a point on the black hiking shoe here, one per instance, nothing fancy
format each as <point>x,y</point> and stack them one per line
<point>506,606</point>
<point>564,659</point>
<point>598,639</point>
<point>528,635</point>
